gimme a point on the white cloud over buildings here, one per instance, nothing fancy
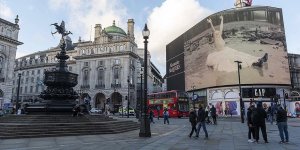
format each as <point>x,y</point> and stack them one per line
<point>5,12</point>
<point>165,22</point>
<point>169,21</point>
<point>84,14</point>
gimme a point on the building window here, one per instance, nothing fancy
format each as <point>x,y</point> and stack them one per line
<point>37,88</point>
<point>32,72</point>
<point>131,61</point>
<point>21,90</point>
<point>25,89</point>
<point>70,68</point>
<point>26,81</point>
<point>86,64</point>
<point>9,33</point>
<point>31,89</point>
<point>38,72</point>
<point>32,79</point>
<point>86,77</point>
<point>27,73</point>
<point>259,15</point>
<point>116,61</point>
<point>101,63</point>
<point>116,74</point>
<point>100,77</point>
<point>2,47</point>
<point>2,63</point>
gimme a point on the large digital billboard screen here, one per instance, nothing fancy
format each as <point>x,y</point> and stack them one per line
<point>255,37</point>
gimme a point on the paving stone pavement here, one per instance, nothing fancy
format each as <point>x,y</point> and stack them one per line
<point>229,134</point>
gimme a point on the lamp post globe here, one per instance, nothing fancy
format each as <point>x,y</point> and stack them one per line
<point>145,123</point>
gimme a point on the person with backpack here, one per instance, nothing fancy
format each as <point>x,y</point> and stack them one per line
<point>213,114</point>
<point>166,116</point>
<point>259,116</point>
<point>201,122</point>
<point>193,121</point>
<point>251,127</point>
<point>281,118</point>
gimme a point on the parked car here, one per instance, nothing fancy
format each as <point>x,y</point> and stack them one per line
<point>131,111</point>
<point>96,110</point>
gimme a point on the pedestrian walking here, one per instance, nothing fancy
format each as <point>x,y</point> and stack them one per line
<point>259,116</point>
<point>281,118</point>
<point>193,121</point>
<point>151,115</point>
<point>207,114</point>
<point>107,110</point>
<point>201,122</point>
<point>166,116</point>
<point>158,109</point>
<point>251,127</point>
<point>213,114</point>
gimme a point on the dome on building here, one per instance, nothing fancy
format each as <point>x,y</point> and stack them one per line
<point>114,30</point>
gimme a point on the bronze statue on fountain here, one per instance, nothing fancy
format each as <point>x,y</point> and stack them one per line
<point>59,95</point>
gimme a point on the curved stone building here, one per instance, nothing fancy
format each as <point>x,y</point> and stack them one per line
<point>203,60</point>
<point>108,68</point>
<point>8,47</point>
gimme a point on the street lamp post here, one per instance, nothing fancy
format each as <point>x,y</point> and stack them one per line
<point>284,97</point>
<point>193,98</point>
<point>128,98</point>
<point>145,124</point>
<point>240,93</point>
<point>18,93</point>
<point>141,99</point>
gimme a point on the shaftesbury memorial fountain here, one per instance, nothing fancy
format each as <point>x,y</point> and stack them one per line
<point>59,95</point>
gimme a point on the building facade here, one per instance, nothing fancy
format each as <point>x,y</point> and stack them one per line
<point>8,47</point>
<point>231,52</point>
<point>108,68</point>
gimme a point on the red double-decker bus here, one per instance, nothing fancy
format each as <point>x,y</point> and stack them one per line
<point>176,102</point>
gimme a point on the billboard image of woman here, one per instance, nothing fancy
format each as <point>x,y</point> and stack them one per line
<point>254,36</point>
<point>223,58</point>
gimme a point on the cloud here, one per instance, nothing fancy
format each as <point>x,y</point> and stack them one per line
<point>83,15</point>
<point>5,12</point>
<point>169,21</point>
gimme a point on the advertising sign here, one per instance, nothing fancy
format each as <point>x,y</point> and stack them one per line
<point>253,36</point>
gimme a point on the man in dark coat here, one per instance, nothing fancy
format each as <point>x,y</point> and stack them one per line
<point>259,116</point>
<point>193,121</point>
<point>251,128</point>
<point>213,114</point>
<point>281,118</point>
<point>201,122</point>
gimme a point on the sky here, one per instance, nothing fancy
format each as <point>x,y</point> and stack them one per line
<point>166,20</point>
